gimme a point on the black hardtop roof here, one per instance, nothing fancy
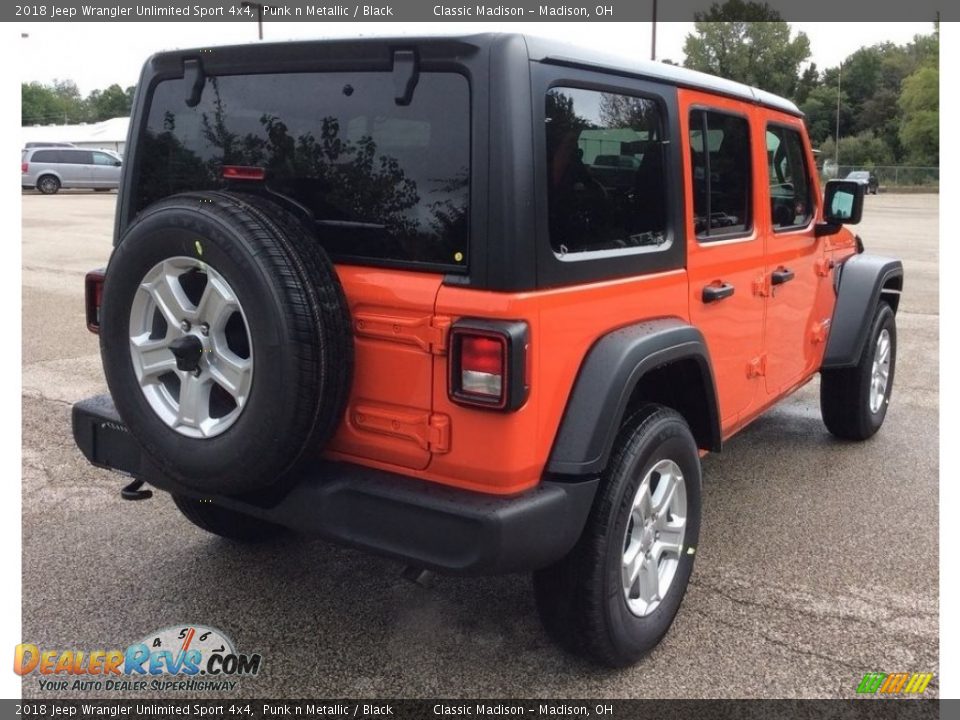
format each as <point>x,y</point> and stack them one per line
<point>539,49</point>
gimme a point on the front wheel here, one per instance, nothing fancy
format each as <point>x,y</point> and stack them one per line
<point>854,401</point>
<point>615,595</point>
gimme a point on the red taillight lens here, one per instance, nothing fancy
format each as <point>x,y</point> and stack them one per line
<point>482,365</point>
<point>488,363</point>
<point>24,167</point>
<point>93,294</point>
<point>243,172</point>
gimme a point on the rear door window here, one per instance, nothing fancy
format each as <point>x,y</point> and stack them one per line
<point>76,157</point>
<point>721,174</point>
<point>385,182</point>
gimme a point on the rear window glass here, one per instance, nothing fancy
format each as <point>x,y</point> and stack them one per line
<point>384,181</point>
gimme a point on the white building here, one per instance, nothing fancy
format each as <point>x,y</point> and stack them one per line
<point>107,135</point>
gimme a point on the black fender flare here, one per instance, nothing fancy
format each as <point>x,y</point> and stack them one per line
<point>606,381</point>
<point>862,280</point>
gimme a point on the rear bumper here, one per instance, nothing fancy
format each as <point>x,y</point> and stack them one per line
<point>421,523</point>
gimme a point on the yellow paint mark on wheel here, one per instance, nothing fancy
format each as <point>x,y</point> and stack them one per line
<point>691,550</point>
<point>199,248</point>
<point>458,256</point>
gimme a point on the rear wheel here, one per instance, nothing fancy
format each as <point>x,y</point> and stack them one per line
<point>225,523</point>
<point>48,185</point>
<point>854,401</point>
<point>615,595</point>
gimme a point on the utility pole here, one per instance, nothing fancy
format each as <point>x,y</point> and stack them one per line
<point>836,155</point>
<point>653,44</point>
<point>259,8</point>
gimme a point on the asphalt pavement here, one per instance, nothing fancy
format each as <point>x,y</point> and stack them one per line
<point>818,559</point>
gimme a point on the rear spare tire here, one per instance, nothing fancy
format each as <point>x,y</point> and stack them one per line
<point>225,338</point>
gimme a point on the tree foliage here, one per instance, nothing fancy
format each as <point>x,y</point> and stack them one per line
<point>750,43</point>
<point>60,103</point>
<point>920,126</point>
<point>888,93</point>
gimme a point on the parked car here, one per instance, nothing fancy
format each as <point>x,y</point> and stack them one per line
<point>396,310</point>
<point>867,179</point>
<point>48,169</point>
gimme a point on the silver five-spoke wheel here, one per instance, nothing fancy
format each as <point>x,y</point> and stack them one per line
<point>190,346</point>
<point>654,537</point>
<point>881,371</point>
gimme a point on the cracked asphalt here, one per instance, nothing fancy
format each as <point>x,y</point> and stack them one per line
<point>818,559</point>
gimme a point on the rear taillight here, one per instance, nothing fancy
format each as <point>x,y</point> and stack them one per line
<point>93,294</point>
<point>24,167</point>
<point>483,363</point>
<point>488,363</point>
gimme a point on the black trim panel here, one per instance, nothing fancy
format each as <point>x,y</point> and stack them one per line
<point>607,378</point>
<point>862,278</point>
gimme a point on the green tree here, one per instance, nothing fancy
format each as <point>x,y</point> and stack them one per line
<point>863,150</point>
<point>748,42</point>
<point>820,113</point>
<point>38,104</point>
<point>110,103</point>
<point>59,102</point>
<point>920,123</point>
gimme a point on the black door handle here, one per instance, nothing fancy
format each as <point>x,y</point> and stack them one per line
<point>779,277</point>
<point>712,293</point>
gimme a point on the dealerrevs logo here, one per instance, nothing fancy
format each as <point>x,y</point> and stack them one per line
<point>180,657</point>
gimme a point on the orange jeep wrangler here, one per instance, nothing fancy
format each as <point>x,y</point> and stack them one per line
<point>479,304</point>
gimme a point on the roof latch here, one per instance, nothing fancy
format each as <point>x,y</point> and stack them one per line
<point>195,78</point>
<point>405,75</point>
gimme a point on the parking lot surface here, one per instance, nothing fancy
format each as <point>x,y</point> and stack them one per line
<point>818,559</point>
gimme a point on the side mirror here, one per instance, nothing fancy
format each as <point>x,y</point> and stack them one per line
<point>117,163</point>
<point>843,202</point>
<point>842,205</point>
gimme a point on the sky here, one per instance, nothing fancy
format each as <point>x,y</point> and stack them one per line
<point>96,55</point>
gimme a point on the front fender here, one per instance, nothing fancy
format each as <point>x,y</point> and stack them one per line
<point>862,281</point>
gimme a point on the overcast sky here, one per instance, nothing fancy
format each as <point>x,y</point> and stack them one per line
<point>96,55</point>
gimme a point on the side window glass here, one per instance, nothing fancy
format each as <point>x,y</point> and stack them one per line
<point>791,203</point>
<point>720,153</point>
<point>100,158</point>
<point>605,172</point>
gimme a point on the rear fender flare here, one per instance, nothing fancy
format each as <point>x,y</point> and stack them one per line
<point>605,384</point>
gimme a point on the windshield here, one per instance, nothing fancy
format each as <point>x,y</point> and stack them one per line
<point>384,181</point>
<point>858,176</point>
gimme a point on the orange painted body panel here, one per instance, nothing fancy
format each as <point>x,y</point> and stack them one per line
<point>392,390</point>
<point>764,341</point>
<point>493,452</point>
<point>795,309</point>
<point>733,327</point>
<point>506,453</point>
